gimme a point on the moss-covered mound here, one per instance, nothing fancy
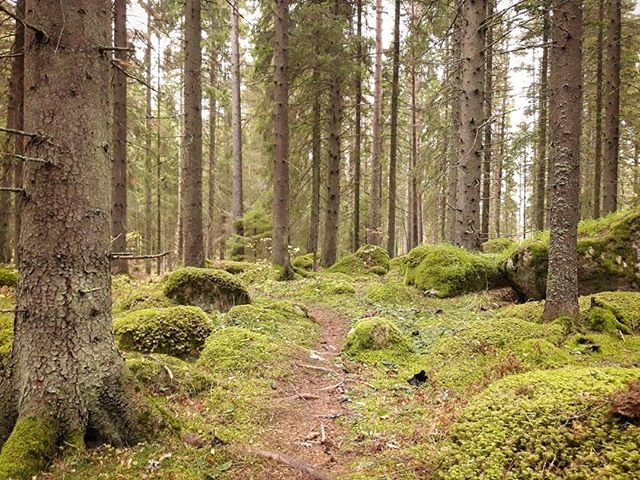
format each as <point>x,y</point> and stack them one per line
<point>394,293</point>
<point>284,320</point>
<point>177,331</point>
<point>141,300</point>
<point>206,288</point>
<point>8,276</point>
<point>303,262</point>
<point>608,257</point>
<point>497,245</point>
<point>553,424</point>
<point>232,266</point>
<point>368,259</point>
<point>6,338</point>
<point>375,333</point>
<point>445,270</point>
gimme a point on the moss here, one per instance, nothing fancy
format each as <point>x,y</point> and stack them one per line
<point>323,285</point>
<point>368,259</point>
<point>375,333</point>
<point>6,339</point>
<point>231,266</point>
<point>536,353</point>
<point>177,331</point>
<point>545,425</point>
<point>284,320</point>
<point>141,300</point>
<point>29,449</point>
<point>303,262</point>
<point>497,245</point>
<point>392,293</point>
<point>602,319</point>
<point>206,288</point>
<point>446,270</point>
<point>8,277</point>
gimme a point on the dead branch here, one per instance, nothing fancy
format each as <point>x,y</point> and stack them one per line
<point>313,367</point>
<point>303,396</point>
<point>133,77</point>
<point>292,462</point>
<point>42,35</point>
<point>25,158</point>
<point>131,256</point>
<point>12,310</point>
<point>116,49</point>
<point>19,132</point>
<point>12,190</point>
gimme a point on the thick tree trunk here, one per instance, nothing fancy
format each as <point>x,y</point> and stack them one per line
<point>159,185</point>
<point>211,165</point>
<point>148,172</point>
<point>65,379</point>
<point>119,164</point>
<point>611,109</point>
<point>565,84</point>
<point>280,235</point>
<point>471,119</point>
<point>375,203</point>
<point>357,151</point>
<point>237,208</point>
<point>393,144</point>
<point>488,114</point>
<point>412,195</point>
<point>192,188</point>
<point>496,177</point>
<point>541,160</point>
<point>597,162</point>
<point>316,143</point>
<point>332,212</point>
<point>455,79</point>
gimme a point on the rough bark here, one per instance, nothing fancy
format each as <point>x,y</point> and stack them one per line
<point>192,188</point>
<point>148,171</point>
<point>65,379</point>
<point>237,208</point>
<point>374,232</point>
<point>471,120</point>
<point>454,108</point>
<point>332,212</point>
<point>597,162</point>
<point>159,244</point>
<point>565,84</point>
<point>393,143</point>
<point>412,196</point>
<point>119,163</point>
<point>488,113</point>
<point>496,177</point>
<point>280,235</point>
<point>211,164</point>
<point>541,160</point>
<point>611,151</point>
<point>316,141</point>
<point>357,151</point>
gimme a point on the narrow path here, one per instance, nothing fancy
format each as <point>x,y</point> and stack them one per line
<point>308,403</point>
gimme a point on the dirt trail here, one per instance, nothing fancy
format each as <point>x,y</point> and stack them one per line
<point>307,405</point>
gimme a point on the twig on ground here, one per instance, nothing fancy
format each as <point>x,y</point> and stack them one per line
<point>314,367</point>
<point>292,462</point>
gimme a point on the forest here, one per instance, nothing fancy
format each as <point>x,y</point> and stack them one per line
<point>324,239</point>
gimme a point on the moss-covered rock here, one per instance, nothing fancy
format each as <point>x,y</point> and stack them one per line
<point>545,425</point>
<point>368,259</point>
<point>394,293</point>
<point>141,300</point>
<point>8,276</point>
<point>445,270</point>
<point>375,333</point>
<point>206,288</point>
<point>608,257</point>
<point>497,245</point>
<point>178,331</point>
<point>232,266</point>
<point>303,262</point>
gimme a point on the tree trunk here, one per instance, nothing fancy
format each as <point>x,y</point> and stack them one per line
<point>565,84</point>
<point>119,164</point>
<point>455,79</point>
<point>179,234</point>
<point>357,153</point>
<point>541,161</point>
<point>159,244</point>
<point>17,79</point>
<point>192,188</point>
<point>237,209</point>
<point>316,144</point>
<point>471,119</point>
<point>332,213</point>
<point>375,203</point>
<point>148,172</point>
<point>393,144</point>
<point>611,109</point>
<point>488,113</point>
<point>597,162</point>
<point>65,379</point>
<point>412,196</point>
<point>280,236</point>
<point>211,166</point>
<point>496,188</point>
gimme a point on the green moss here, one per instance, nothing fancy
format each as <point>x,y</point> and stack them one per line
<point>497,245</point>
<point>141,300</point>
<point>446,270</point>
<point>177,331</point>
<point>8,277</point>
<point>29,448</point>
<point>231,266</point>
<point>368,259</point>
<point>206,288</point>
<point>545,425</point>
<point>536,353</point>
<point>284,320</point>
<point>6,339</point>
<point>602,319</point>
<point>375,333</point>
<point>392,293</point>
<point>303,262</point>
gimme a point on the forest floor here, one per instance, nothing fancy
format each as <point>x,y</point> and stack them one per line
<point>292,380</point>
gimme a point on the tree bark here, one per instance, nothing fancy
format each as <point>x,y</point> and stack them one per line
<point>455,78</point>
<point>611,109</point>
<point>375,223</point>
<point>393,144</point>
<point>597,162</point>
<point>565,84</point>
<point>159,185</point>
<point>488,114</point>
<point>148,169</point>
<point>541,161</point>
<point>316,144</point>
<point>211,166</point>
<point>471,120</point>
<point>237,208</point>
<point>412,196</point>
<point>357,153</point>
<point>280,235</point>
<point>192,188</point>
<point>65,379</point>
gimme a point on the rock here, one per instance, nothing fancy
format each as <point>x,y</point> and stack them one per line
<point>375,333</point>
<point>369,259</point>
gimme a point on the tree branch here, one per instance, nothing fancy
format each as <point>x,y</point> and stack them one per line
<point>12,189</point>
<point>41,34</point>
<point>131,256</point>
<point>25,158</point>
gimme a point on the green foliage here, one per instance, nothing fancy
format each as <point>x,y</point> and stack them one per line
<point>178,331</point>
<point>8,276</point>
<point>545,425</point>
<point>29,448</point>
<point>497,245</point>
<point>368,259</point>
<point>303,262</point>
<point>256,238</point>
<point>206,288</point>
<point>375,333</point>
<point>446,270</point>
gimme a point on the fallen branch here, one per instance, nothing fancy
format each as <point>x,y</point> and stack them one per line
<point>303,396</point>
<point>131,256</point>
<point>292,462</point>
<point>331,387</point>
<point>323,435</point>
<point>313,367</point>
<point>13,310</point>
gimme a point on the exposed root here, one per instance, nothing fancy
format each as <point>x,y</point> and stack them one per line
<point>294,463</point>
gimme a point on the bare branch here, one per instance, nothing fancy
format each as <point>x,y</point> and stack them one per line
<point>116,49</point>
<point>41,34</point>
<point>25,158</point>
<point>131,256</point>
<point>133,77</point>
<point>12,189</point>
